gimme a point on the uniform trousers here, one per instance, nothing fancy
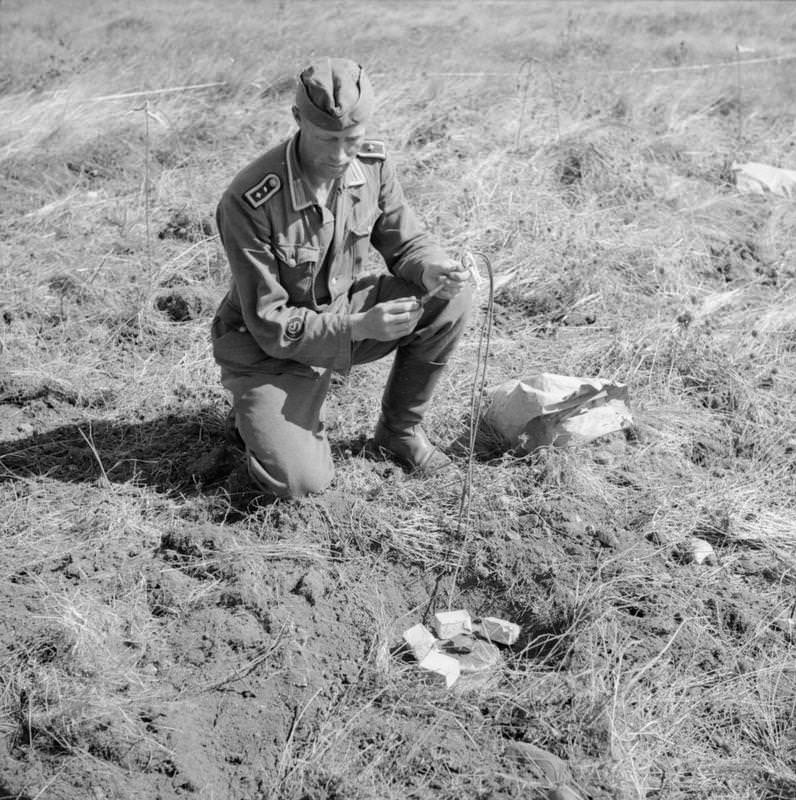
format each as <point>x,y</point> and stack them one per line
<point>279,412</point>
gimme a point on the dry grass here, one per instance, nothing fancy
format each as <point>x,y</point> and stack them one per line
<point>164,633</point>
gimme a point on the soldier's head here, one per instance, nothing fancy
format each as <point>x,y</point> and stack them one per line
<point>334,101</point>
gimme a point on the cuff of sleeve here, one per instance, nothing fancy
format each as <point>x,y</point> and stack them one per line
<point>412,272</point>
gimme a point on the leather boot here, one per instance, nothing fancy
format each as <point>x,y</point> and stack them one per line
<point>405,400</point>
<point>231,433</point>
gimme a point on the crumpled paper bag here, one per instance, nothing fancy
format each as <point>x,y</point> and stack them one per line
<point>755,178</point>
<point>557,410</point>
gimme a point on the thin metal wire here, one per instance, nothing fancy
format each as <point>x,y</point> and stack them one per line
<point>423,74</point>
<point>476,400</point>
<point>631,71</point>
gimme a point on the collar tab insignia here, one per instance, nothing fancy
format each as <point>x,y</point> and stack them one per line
<point>263,191</point>
<point>373,148</point>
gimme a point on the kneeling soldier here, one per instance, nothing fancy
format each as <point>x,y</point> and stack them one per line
<point>296,225</point>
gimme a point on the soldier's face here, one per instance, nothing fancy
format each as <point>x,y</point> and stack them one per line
<point>326,154</point>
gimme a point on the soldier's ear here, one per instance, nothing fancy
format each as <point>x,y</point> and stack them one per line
<point>296,115</point>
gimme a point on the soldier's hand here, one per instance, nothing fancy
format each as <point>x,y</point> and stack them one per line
<point>445,278</point>
<point>387,321</point>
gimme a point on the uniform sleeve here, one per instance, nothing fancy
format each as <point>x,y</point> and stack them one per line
<point>399,235</point>
<point>284,331</point>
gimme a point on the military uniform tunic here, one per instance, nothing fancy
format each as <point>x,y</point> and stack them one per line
<point>278,240</point>
<point>298,271</point>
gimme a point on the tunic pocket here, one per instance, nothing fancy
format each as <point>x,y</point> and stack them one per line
<point>296,269</point>
<point>362,224</point>
<point>358,240</point>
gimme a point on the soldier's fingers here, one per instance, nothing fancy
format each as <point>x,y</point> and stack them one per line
<point>402,315</point>
<point>405,322</point>
<point>448,290</point>
<point>402,304</point>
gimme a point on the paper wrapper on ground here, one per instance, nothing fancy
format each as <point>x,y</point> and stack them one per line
<point>548,409</point>
<point>755,178</point>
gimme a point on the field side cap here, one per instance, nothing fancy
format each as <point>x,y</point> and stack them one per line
<point>334,93</point>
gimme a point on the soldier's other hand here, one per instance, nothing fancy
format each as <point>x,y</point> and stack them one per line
<point>387,321</point>
<point>445,278</point>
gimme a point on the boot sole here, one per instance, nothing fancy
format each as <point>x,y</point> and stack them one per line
<point>382,453</point>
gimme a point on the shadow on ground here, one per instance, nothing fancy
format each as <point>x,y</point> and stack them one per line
<point>6,793</point>
<point>177,453</point>
<point>183,455</point>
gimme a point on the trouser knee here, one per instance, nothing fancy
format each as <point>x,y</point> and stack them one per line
<point>279,419</point>
<point>296,478</point>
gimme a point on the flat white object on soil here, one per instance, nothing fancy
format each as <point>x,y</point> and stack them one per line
<point>498,630</point>
<point>563,793</point>
<point>420,640</point>
<point>755,178</point>
<point>701,551</point>
<point>447,624</point>
<point>443,665</point>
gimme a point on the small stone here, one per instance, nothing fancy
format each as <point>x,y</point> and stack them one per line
<point>298,670</point>
<point>311,587</point>
<point>541,762</point>
<point>448,624</point>
<point>575,525</point>
<point>607,538</point>
<point>563,793</point>
<point>74,572</point>
<point>655,538</point>
<point>420,640</point>
<point>445,666</point>
<point>498,630</point>
<point>702,552</point>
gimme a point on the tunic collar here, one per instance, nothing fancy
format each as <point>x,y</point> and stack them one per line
<point>300,195</point>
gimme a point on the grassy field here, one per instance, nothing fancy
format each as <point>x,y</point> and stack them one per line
<point>163,634</point>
